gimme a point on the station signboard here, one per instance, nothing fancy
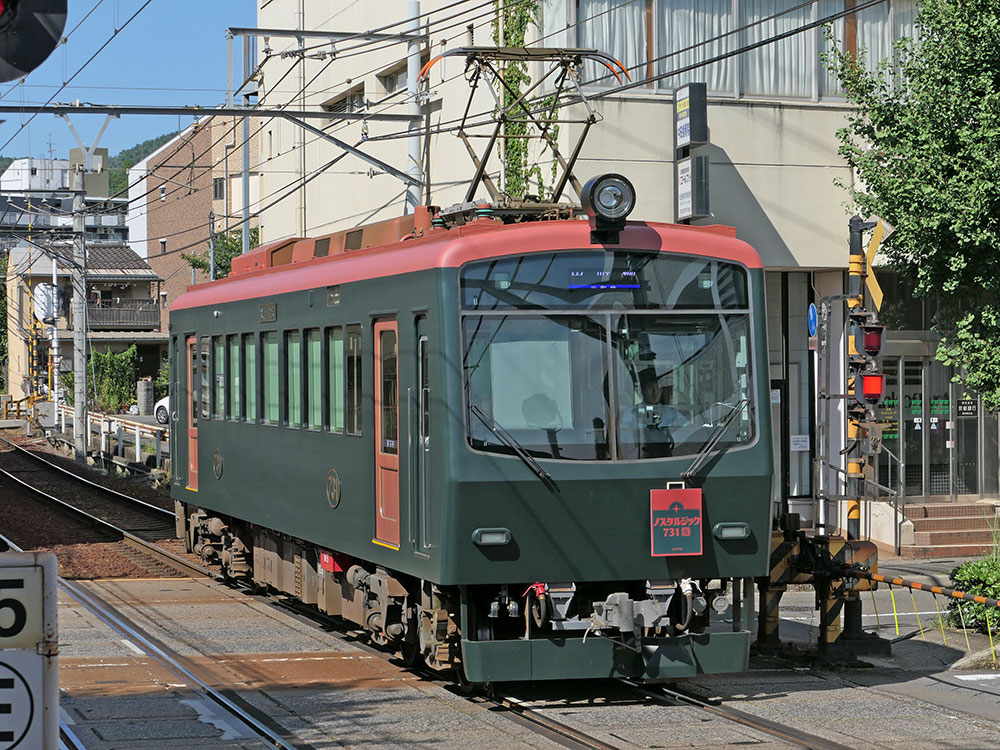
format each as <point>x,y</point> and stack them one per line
<point>29,690</point>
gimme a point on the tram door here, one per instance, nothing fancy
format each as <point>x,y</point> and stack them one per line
<point>386,435</point>
<point>192,407</point>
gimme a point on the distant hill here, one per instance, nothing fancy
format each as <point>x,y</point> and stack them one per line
<point>119,164</point>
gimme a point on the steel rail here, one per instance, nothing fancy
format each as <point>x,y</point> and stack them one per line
<point>100,488</point>
<point>781,731</point>
<point>173,662</point>
<point>146,547</point>
<point>546,727</point>
<point>893,581</point>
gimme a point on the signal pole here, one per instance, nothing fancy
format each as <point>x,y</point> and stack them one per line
<point>865,386</point>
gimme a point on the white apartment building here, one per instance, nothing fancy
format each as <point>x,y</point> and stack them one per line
<point>773,112</point>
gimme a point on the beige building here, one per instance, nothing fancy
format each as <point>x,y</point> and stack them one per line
<point>774,174</point>
<point>122,309</point>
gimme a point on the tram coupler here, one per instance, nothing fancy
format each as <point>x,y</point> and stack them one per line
<point>825,562</point>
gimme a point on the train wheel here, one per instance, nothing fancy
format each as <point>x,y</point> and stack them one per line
<point>412,655</point>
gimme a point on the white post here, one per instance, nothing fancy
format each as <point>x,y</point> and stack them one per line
<point>138,446</point>
<point>413,192</point>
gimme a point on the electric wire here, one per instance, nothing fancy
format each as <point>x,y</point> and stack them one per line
<point>63,41</point>
<point>79,70</point>
<point>450,126</point>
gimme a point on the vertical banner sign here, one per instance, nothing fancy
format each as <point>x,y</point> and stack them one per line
<point>691,115</point>
<point>685,187</point>
<point>675,522</point>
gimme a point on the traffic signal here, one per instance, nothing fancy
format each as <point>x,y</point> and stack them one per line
<point>29,31</point>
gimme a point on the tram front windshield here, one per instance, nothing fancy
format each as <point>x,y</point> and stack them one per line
<point>605,355</point>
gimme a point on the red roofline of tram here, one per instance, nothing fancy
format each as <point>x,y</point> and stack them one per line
<point>478,240</point>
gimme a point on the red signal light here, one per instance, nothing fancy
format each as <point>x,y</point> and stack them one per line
<point>872,387</point>
<point>871,339</point>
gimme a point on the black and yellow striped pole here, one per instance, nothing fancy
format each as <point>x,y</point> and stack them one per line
<point>857,412</point>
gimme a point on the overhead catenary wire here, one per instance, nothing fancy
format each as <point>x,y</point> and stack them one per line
<point>599,95</point>
<point>79,70</point>
<point>448,126</point>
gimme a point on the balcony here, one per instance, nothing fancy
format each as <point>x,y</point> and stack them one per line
<point>124,315</point>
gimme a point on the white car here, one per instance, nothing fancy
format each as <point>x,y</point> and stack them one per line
<point>162,410</point>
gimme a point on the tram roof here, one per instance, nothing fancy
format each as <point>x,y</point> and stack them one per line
<point>478,240</point>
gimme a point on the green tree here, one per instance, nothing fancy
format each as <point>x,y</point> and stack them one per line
<point>119,164</point>
<point>228,245</point>
<point>923,139</point>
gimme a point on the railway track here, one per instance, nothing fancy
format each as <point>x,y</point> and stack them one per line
<point>674,697</point>
<point>111,516</point>
<point>268,733</point>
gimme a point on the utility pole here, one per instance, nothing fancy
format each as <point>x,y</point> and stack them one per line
<point>89,163</point>
<point>80,437</point>
<point>413,192</point>
<point>211,245</point>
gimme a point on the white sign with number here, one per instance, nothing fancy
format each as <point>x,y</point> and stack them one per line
<point>28,713</point>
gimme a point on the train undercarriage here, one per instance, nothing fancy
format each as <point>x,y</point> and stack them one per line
<point>485,633</point>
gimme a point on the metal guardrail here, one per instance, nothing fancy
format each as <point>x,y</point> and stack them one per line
<point>117,427</point>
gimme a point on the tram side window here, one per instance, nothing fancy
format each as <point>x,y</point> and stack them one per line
<point>293,377</point>
<point>204,391</point>
<point>314,379</point>
<point>233,346</point>
<point>353,380</point>
<point>335,371</point>
<point>250,377</point>
<point>269,344</point>
<point>219,374</point>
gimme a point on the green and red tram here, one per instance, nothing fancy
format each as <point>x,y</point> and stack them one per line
<point>520,450</point>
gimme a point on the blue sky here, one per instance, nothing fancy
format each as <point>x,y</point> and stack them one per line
<point>172,53</point>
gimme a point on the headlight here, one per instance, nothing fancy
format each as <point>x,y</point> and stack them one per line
<point>609,197</point>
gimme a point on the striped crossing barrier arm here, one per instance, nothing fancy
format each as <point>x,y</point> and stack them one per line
<point>858,573</point>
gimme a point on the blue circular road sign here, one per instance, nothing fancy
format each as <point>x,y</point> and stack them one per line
<point>812,318</point>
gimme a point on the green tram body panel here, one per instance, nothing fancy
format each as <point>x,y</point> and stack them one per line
<point>595,528</point>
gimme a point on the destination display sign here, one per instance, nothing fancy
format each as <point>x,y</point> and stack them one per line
<point>675,522</point>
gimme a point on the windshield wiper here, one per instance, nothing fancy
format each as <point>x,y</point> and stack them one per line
<point>714,438</point>
<point>511,442</point>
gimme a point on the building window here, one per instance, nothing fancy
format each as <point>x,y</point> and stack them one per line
<point>163,246</point>
<point>653,37</point>
<point>218,188</point>
<point>163,192</point>
<point>352,101</point>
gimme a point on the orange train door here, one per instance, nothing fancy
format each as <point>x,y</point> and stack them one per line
<point>386,436</point>
<point>192,404</point>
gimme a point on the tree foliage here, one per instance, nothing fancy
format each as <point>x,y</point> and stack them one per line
<point>111,381</point>
<point>228,245</point>
<point>119,165</point>
<point>923,140</point>
<point>522,178</point>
